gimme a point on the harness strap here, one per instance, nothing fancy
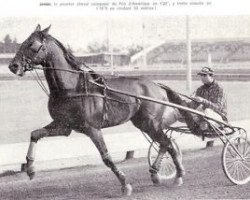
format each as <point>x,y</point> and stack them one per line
<point>74,94</point>
<point>85,83</point>
<point>105,103</point>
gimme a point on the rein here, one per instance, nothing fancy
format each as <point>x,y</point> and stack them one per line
<point>183,95</point>
<point>73,94</point>
<point>105,87</point>
<point>89,72</point>
<point>80,71</point>
<point>40,82</point>
<point>94,83</point>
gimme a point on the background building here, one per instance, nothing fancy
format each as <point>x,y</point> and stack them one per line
<point>221,53</point>
<point>104,59</point>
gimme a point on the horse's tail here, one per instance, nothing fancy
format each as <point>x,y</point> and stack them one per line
<point>189,118</point>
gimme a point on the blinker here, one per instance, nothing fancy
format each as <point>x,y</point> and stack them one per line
<point>36,46</point>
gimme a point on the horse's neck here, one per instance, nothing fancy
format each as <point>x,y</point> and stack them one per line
<point>60,79</point>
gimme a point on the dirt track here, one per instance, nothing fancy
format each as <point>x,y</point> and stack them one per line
<point>204,179</point>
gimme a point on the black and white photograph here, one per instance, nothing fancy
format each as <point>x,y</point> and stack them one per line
<point>124,102</point>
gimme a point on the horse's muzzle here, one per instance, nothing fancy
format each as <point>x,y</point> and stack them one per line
<point>16,69</point>
<point>13,68</point>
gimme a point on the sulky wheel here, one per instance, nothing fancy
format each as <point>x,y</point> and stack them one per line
<point>236,160</point>
<point>167,169</point>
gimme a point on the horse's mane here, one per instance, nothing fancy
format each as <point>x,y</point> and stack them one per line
<point>72,60</point>
<point>67,54</point>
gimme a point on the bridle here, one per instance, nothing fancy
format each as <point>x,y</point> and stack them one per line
<point>37,48</point>
<point>30,62</point>
<point>29,66</point>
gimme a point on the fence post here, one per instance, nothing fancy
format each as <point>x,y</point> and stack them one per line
<point>129,155</point>
<point>210,144</point>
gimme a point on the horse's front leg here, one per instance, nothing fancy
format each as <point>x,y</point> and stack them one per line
<point>53,129</point>
<point>97,138</point>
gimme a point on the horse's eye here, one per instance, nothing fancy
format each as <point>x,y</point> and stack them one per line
<point>30,46</point>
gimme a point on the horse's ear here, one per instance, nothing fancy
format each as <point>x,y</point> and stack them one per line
<point>38,28</point>
<point>46,30</point>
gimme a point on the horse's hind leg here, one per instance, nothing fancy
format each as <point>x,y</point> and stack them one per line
<point>97,138</point>
<point>53,129</point>
<point>166,145</point>
<point>178,164</point>
<point>157,164</point>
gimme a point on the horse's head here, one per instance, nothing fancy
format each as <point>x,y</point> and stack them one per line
<point>32,52</point>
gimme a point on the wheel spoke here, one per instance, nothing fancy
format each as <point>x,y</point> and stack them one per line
<point>237,171</point>
<point>247,159</point>
<point>247,150</point>
<point>245,171</point>
<point>241,147</point>
<point>246,167</point>
<point>247,147</point>
<point>166,156</point>
<point>232,152</point>
<point>168,170</point>
<point>236,146</point>
<point>230,162</point>
<point>172,167</point>
<point>169,165</point>
<point>230,167</point>
<point>241,172</point>
<point>230,159</point>
<point>234,170</point>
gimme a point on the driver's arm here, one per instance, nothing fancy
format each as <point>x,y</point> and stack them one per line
<point>217,105</point>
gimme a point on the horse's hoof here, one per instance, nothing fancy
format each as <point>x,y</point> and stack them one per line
<point>31,172</point>
<point>31,175</point>
<point>178,181</point>
<point>156,179</point>
<point>127,190</point>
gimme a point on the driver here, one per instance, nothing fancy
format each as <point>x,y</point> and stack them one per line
<point>210,97</point>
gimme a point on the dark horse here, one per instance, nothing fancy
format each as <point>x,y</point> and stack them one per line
<point>75,103</point>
